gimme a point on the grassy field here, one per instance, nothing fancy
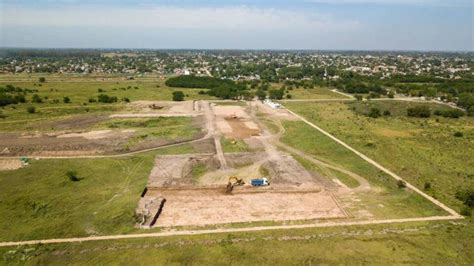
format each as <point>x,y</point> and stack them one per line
<point>422,150</point>
<point>234,145</point>
<point>39,201</point>
<point>79,90</point>
<point>437,243</point>
<point>384,201</point>
<point>315,93</point>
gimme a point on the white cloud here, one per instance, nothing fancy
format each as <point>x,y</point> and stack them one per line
<point>169,17</point>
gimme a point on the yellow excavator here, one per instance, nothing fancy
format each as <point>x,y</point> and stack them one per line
<point>234,181</point>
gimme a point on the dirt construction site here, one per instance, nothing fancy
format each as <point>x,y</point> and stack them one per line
<point>193,189</point>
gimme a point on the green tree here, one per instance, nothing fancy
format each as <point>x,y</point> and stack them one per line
<point>276,94</point>
<point>261,94</point>
<point>178,96</point>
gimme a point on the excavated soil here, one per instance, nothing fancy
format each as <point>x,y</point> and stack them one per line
<point>207,207</point>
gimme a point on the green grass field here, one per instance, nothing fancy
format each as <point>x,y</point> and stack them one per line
<point>39,201</point>
<point>420,150</point>
<point>384,201</point>
<point>435,243</point>
<point>79,90</point>
<point>314,93</point>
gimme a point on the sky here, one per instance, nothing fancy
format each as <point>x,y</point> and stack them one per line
<point>426,25</point>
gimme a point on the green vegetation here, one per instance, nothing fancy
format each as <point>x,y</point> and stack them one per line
<point>31,109</point>
<point>72,175</point>
<point>178,96</point>
<point>39,201</point>
<point>234,145</point>
<point>419,150</point>
<point>415,243</point>
<point>198,170</point>
<point>422,111</point>
<point>197,82</point>
<point>220,88</point>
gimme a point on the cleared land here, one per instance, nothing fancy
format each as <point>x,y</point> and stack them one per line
<point>314,182</point>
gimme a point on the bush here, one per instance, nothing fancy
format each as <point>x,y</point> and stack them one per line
<point>358,97</point>
<point>387,113</point>
<point>458,134</point>
<point>72,175</point>
<point>401,184</point>
<point>466,196</point>
<point>276,94</point>
<point>178,96</point>
<point>36,99</point>
<point>66,100</point>
<point>450,113</point>
<point>42,79</point>
<point>288,96</point>
<point>31,109</point>
<point>104,98</point>
<point>92,100</point>
<point>465,211</point>
<point>427,186</point>
<point>419,111</point>
<point>374,113</point>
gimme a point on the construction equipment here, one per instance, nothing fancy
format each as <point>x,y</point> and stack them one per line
<point>234,181</point>
<point>260,182</point>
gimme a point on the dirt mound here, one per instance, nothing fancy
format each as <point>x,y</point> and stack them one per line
<point>7,164</point>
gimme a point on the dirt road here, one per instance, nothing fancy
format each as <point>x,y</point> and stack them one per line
<point>227,230</point>
<point>395,176</point>
<point>212,132</point>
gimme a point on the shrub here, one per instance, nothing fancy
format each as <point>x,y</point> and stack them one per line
<point>125,99</point>
<point>66,100</point>
<point>466,196</point>
<point>401,184</point>
<point>374,113</point>
<point>72,175</point>
<point>458,134</point>
<point>42,79</point>
<point>387,113</point>
<point>427,186</point>
<point>358,97</point>
<point>419,111</point>
<point>178,96</point>
<point>451,113</point>
<point>465,211</point>
<point>31,109</point>
<point>92,100</point>
<point>104,98</point>
<point>288,96</point>
<point>36,99</point>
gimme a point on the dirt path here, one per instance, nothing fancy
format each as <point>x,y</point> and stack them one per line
<point>112,155</point>
<point>226,230</point>
<point>212,132</point>
<point>372,162</point>
<point>275,139</point>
